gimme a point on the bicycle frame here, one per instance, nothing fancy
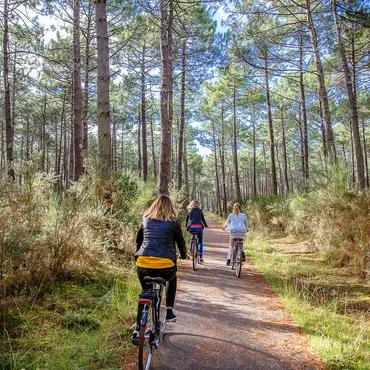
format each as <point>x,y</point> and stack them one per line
<point>152,323</point>
<point>237,256</point>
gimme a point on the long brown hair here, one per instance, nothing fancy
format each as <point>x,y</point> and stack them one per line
<point>161,209</point>
<point>236,208</point>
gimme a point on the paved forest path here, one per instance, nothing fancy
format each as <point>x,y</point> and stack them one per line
<point>228,323</point>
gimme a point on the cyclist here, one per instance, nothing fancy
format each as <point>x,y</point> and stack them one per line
<point>237,224</point>
<point>195,217</point>
<point>156,251</point>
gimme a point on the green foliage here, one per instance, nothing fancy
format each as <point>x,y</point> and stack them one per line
<point>334,219</point>
<point>331,307</point>
<point>69,290</point>
<point>268,213</point>
<point>73,325</point>
<point>45,238</point>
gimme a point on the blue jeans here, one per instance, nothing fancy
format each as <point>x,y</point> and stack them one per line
<point>200,242</point>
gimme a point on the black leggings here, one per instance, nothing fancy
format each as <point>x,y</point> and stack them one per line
<point>169,274</point>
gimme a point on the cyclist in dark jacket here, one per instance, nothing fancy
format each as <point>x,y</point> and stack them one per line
<point>156,249</point>
<point>195,217</point>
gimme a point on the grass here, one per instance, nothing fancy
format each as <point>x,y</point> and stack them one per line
<point>72,325</point>
<point>331,306</point>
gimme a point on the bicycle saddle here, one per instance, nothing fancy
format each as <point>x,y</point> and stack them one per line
<point>157,279</point>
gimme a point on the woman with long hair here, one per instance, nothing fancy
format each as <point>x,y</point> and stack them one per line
<point>156,250</point>
<point>237,224</point>
<point>195,218</point>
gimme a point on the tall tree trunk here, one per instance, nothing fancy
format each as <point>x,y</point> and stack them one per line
<point>27,138</point>
<point>194,191</point>
<point>271,131</point>
<point>143,116</point>
<point>13,89</point>
<point>365,154</point>
<point>323,132</point>
<point>280,170</point>
<point>304,110</point>
<point>352,155</point>
<point>186,171</point>
<point>284,152</point>
<point>85,113</point>
<point>301,143</point>
<point>43,134</point>
<point>265,167</point>
<point>238,196</point>
<point>330,146</point>
<point>2,128</point>
<point>254,154</point>
<point>71,152</point>
<point>153,150</point>
<point>166,13</point>
<point>114,142</point>
<point>65,155</point>
<point>360,173</point>
<point>218,197</point>
<point>122,138</point>
<point>222,157</point>
<point>139,161</point>
<point>103,108</point>
<point>7,106</point>
<point>77,94</point>
<point>58,154</point>
<point>182,115</point>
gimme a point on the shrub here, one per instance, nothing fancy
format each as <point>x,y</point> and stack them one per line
<point>268,213</point>
<point>335,219</point>
<point>45,237</point>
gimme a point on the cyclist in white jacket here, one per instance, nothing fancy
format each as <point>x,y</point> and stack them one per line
<point>237,224</point>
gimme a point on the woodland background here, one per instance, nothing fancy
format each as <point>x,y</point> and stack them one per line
<point>105,104</point>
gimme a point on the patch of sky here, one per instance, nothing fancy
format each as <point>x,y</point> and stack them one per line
<point>203,151</point>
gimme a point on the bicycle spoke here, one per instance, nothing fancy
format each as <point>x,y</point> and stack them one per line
<point>145,347</point>
<point>194,255</point>
<point>162,316</point>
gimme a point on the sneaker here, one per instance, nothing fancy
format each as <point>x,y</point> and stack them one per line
<point>228,262</point>
<point>170,316</point>
<point>135,339</point>
<point>201,260</point>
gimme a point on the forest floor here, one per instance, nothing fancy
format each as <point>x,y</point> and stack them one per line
<point>228,323</point>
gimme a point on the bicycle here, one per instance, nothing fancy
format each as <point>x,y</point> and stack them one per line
<point>194,244</point>
<point>237,256</point>
<point>152,321</point>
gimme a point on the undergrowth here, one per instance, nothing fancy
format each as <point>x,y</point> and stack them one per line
<point>68,288</point>
<point>331,307</point>
<point>78,324</point>
<point>333,218</point>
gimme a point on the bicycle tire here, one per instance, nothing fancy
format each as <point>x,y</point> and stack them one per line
<point>233,263</point>
<point>145,345</point>
<point>194,254</point>
<point>162,315</point>
<point>238,263</point>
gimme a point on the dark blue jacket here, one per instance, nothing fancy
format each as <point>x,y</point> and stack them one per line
<point>157,239</point>
<point>195,216</point>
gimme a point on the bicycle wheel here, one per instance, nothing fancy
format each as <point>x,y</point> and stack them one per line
<point>234,259</point>
<point>162,314</point>
<point>194,254</point>
<point>238,263</point>
<point>145,345</point>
